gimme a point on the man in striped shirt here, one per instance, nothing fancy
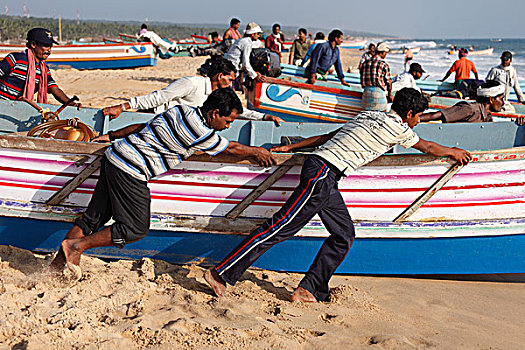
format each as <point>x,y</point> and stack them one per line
<point>358,142</point>
<point>15,70</point>
<point>376,80</point>
<point>145,151</point>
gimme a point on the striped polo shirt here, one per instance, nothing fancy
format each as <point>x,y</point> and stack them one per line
<point>366,137</point>
<point>13,73</point>
<point>164,142</point>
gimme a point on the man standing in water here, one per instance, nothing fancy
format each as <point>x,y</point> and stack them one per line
<point>339,154</point>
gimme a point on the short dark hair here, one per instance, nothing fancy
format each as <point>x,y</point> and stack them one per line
<point>336,33</point>
<point>214,35</point>
<point>225,100</point>
<point>409,99</point>
<point>319,36</point>
<point>234,21</point>
<point>486,85</point>
<point>220,65</point>
<point>144,26</point>
<point>302,30</point>
<point>276,25</point>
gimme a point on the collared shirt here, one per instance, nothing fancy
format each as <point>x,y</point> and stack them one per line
<point>189,91</point>
<point>13,75</point>
<point>375,72</point>
<point>508,77</point>
<point>466,112</point>
<point>300,49</point>
<point>164,142</point>
<point>325,57</point>
<point>463,67</point>
<point>404,80</point>
<point>366,137</point>
<point>239,55</point>
<point>365,57</point>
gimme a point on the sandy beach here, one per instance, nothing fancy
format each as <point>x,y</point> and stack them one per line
<point>155,305</point>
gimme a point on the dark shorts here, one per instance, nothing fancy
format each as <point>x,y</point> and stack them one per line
<point>122,197</point>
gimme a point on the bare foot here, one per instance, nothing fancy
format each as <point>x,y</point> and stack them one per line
<point>72,257</point>
<point>218,287</point>
<point>301,295</point>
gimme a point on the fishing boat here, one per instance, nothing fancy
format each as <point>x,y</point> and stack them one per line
<point>415,51</point>
<point>97,56</point>
<point>485,52</point>
<point>474,224</point>
<point>426,85</point>
<point>353,44</point>
<point>325,102</point>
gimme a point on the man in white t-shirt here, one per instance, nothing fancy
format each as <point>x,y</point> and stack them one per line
<point>408,79</point>
<point>339,154</point>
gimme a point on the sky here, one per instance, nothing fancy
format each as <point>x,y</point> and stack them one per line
<point>400,18</point>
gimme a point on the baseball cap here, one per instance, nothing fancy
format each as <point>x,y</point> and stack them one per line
<point>41,35</point>
<point>416,67</point>
<point>382,47</point>
<point>506,55</point>
<point>252,28</point>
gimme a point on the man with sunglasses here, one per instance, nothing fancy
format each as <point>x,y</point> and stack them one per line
<point>26,74</point>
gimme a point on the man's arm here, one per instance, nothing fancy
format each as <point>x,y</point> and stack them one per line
<point>121,133</point>
<point>61,96</point>
<point>245,63</point>
<point>314,63</point>
<point>177,89</point>
<point>263,157</point>
<point>339,70</point>
<point>517,87</point>
<point>459,155</point>
<point>250,114</point>
<point>427,117</point>
<point>313,141</point>
<point>448,73</point>
<point>290,56</point>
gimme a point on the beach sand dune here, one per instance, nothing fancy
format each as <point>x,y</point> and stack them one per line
<point>155,305</point>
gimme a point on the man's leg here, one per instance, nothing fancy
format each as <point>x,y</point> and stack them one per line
<point>309,197</point>
<point>73,248</point>
<point>338,222</point>
<point>96,215</point>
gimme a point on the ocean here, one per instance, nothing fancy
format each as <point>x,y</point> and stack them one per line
<point>436,61</point>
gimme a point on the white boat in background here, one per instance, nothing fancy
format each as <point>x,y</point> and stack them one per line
<point>485,52</point>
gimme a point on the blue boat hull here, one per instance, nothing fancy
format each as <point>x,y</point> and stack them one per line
<point>464,255</point>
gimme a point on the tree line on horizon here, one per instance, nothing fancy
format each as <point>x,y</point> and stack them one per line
<point>15,28</point>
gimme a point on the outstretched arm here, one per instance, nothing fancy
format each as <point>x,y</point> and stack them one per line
<point>263,157</point>
<point>427,117</point>
<point>121,133</point>
<point>459,155</point>
<point>312,141</point>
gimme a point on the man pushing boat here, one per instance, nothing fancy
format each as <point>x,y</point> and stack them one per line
<point>361,140</point>
<point>144,152</point>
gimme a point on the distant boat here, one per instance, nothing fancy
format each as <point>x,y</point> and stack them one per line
<point>496,40</point>
<point>357,44</point>
<point>485,52</point>
<point>415,50</point>
<point>97,56</point>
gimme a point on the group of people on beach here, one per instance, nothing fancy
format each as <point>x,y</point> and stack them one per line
<point>188,114</point>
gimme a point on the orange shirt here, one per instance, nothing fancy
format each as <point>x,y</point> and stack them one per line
<point>463,67</point>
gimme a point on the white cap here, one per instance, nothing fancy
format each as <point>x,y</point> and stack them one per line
<point>252,28</point>
<point>383,47</point>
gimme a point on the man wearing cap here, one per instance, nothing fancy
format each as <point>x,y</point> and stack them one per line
<point>463,66</point>
<point>324,56</point>
<point>505,74</point>
<point>376,80</point>
<point>489,99</point>
<point>408,79</point>
<point>25,73</point>
<point>239,53</point>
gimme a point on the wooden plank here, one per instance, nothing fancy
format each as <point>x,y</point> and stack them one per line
<point>72,184</point>
<point>429,193</point>
<point>259,190</point>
